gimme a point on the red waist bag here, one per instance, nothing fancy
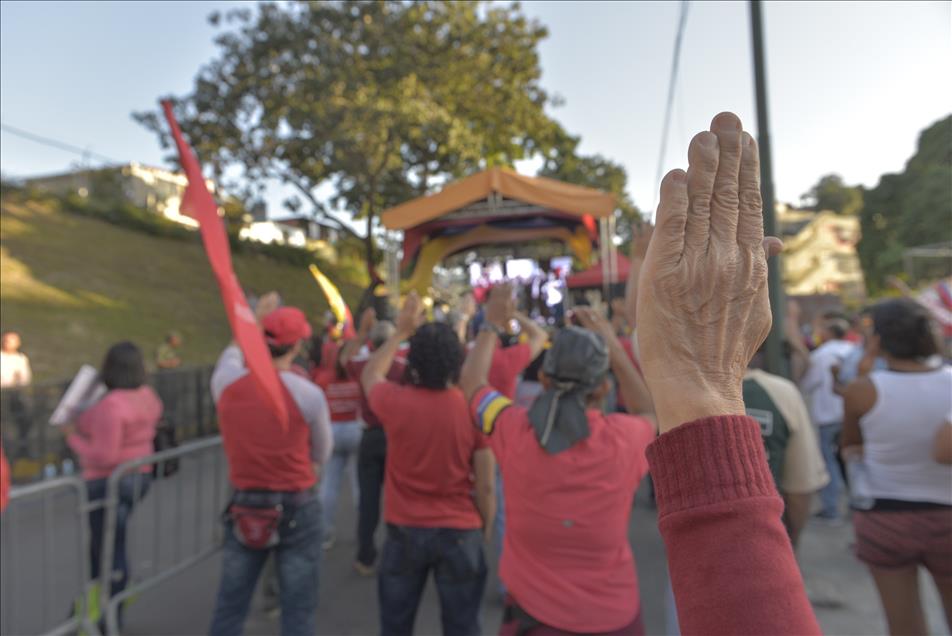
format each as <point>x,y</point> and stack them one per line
<point>256,528</point>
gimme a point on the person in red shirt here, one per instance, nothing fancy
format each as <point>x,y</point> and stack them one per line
<point>274,472</point>
<point>372,453</point>
<point>434,522</point>
<point>570,473</point>
<point>343,400</point>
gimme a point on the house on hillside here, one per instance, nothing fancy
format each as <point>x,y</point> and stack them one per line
<point>819,255</point>
<point>297,231</point>
<point>155,189</point>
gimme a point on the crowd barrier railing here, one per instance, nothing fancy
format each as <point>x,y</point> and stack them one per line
<point>37,450</point>
<point>186,534</point>
<point>42,577</point>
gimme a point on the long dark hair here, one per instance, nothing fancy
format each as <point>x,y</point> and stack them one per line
<point>905,329</point>
<point>123,367</point>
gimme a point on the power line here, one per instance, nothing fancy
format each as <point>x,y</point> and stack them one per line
<point>53,143</point>
<point>672,82</point>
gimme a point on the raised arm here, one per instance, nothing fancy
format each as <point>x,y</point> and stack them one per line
<point>703,311</point>
<point>630,383</point>
<point>536,336</point>
<point>350,347</point>
<point>641,237</point>
<point>475,371</point>
<point>379,363</point>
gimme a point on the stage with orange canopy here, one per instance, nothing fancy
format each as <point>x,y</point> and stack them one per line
<point>494,207</point>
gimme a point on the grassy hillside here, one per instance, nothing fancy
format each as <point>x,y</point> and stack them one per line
<point>73,285</point>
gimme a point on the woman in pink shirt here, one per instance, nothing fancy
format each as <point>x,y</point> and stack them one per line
<point>118,428</point>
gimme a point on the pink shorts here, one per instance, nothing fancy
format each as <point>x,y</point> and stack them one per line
<point>897,539</point>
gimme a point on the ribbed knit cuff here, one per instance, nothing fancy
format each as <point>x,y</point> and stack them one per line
<point>708,461</point>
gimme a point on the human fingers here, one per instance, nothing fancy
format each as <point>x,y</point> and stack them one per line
<point>750,220</point>
<point>725,202</point>
<point>702,171</point>
<point>772,246</point>
<point>667,242</point>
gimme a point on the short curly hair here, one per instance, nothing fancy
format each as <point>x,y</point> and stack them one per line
<point>435,357</point>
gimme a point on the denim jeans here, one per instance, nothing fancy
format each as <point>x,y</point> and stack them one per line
<point>830,494</point>
<point>459,570</point>
<point>132,488</point>
<point>343,460</point>
<point>371,460</point>
<point>298,559</point>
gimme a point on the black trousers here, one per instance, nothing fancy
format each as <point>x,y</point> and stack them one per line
<point>371,458</point>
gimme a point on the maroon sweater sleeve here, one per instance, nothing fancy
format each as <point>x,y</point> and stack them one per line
<point>731,563</point>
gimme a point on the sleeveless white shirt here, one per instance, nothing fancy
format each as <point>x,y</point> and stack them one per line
<point>899,436</point>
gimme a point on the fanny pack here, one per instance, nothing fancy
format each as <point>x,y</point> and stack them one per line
<point>256,528</point>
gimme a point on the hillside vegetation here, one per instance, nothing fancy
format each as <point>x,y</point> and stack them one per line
<point>72,285</point>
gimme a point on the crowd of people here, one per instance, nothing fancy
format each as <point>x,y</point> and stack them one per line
<point>508,433</point>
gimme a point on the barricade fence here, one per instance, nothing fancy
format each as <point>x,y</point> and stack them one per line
<point>37,450</point>
<point>169,524</point>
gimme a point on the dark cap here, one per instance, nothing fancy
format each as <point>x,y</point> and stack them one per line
<point>575,365</point>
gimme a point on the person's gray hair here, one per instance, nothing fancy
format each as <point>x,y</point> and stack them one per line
<point>380,332</point>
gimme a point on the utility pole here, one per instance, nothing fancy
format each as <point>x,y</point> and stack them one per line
<point>776,363</point>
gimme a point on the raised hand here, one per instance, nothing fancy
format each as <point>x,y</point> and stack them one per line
<point>410,314</point>
<point>266,304</point>
<point>367,321</point>
<point>501,305</point>
<point>593,321</point>
<point>641,237</point>
<point>703,308</point>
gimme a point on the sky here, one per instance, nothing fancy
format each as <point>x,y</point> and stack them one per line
<point>850,84</point>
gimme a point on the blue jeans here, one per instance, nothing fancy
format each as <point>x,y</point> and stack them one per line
<point>132,488</point>
<point>344,459</point>
<point>830,494</point>
<point>459,570</point>
<point>298,559</point>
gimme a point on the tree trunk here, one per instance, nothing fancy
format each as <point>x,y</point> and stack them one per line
<point>369,241</point>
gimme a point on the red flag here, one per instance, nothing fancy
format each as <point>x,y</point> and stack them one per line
<point>199,204</point>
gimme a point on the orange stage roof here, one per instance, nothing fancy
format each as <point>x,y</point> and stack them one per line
<point>548,193</point>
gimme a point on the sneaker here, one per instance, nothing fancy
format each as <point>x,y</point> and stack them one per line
<point>329,541</point>
<point>363,569</point>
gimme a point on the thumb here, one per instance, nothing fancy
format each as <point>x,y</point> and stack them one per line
<point>772,246</point>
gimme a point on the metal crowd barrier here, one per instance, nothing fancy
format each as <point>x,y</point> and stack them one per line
<point>37,450</point>
<point>49,580</point>
<point>180,538</point>
<point>174,524</point>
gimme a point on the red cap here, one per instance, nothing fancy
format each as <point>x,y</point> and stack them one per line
<point>285,326</point>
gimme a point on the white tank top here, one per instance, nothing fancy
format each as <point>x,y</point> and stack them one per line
<point>899,435</point>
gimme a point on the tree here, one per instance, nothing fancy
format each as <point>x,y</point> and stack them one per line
<point>594,171</point>
<point>830,193</point>
<point>909,209</point>
<point>381,100</point>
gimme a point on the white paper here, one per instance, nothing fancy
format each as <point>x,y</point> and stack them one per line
<point>83,391</point>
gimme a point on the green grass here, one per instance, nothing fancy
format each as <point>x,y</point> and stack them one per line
<point>72,285</point>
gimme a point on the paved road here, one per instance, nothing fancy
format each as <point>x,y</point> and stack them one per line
<point>177,519</point>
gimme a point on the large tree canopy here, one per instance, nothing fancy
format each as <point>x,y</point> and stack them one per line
<point>910,209</point>
<point>381,100</point>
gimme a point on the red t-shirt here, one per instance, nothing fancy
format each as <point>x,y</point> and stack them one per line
<point>507,364</point>
<point>566,558</point>
<point>430,446</point>
<point>343,395</point>
<point>356,366</point>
